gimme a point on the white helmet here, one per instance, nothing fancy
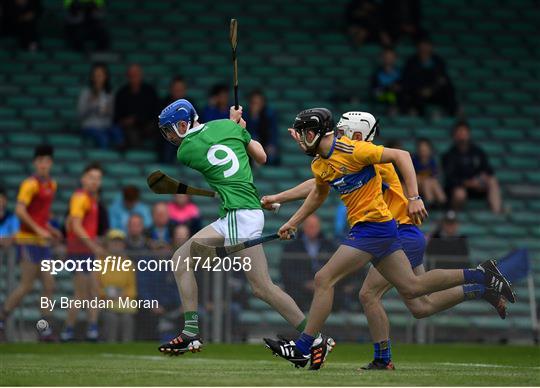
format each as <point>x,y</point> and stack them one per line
<point>363,122</point>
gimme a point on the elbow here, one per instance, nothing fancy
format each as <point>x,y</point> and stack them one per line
<point>261,158</point>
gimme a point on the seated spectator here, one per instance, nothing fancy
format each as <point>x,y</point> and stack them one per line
<point>125,205</point>
<point>9,223</point>
<point>446,244</point>
<point>386,81</point>
<point>426,82</point>
<point>427,172</point>
<point>162,322</point>
<point>161,231</point>
<point>468,173</point>
<point>302,258</point>
<point>218,104</point>
<point>402,18</point>
<point>183,211</point>
<point>118,321</point>
<point>84,21</point>
<point>136,241</point>
<point>177,90</point>
<point>181,234</point>
<point>261,123</point>
<point>136,108</point>
<point>341,226</point>
<point>365,24</point>
<point>95,108</point>
<point>20,19</point>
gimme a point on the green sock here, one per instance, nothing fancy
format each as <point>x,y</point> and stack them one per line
<point>300,328</point>
<point>191,323</point>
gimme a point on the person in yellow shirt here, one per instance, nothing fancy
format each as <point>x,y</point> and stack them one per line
<point>362,126</point>
<point>118,321</point>
<point>348,166</point>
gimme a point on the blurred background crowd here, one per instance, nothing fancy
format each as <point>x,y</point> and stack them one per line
<point>434,83</point>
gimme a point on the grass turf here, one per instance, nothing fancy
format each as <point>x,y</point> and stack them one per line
<point>140,364</point>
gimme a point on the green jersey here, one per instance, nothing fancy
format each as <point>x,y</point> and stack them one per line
<point>217,150</point>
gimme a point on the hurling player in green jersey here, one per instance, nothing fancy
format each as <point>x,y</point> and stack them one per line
<point>220,151</point>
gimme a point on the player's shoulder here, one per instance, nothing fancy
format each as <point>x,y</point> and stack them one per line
<point>30,182</point>
<point>222,123</point>
<point>79,195</point>
<point>345,145</point>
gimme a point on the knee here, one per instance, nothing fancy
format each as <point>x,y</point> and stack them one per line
<point>410,289</point>
<point>420,312</point>
<point>459,194</point>
<point>322,280</point>
<point>261,290</point>
<point>367,297</point>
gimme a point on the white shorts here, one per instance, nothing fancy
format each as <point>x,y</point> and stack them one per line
<point>240,225</point>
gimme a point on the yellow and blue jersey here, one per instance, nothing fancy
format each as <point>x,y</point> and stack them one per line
<point>393,193</point>
<point>349,168</point>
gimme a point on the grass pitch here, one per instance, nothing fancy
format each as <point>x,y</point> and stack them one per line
<point>230,365</point>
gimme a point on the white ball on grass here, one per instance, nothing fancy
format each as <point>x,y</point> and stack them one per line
<point>42,325</point>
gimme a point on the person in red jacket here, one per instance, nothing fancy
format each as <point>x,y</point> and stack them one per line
<point>82,229</point>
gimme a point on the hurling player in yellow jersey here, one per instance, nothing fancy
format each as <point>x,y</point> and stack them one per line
<point>348,166</point>
<point>363,126</point>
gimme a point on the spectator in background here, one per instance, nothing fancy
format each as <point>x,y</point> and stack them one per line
<point>218,103</point>
<point>84,21</point>
<point>302,258</point>
<point>181,234</point>
<point>95,108</point>
<point>127,204</point>
<point>425,82</point>
<point>468,172</point>
<point>427,172</point>
<point>261,123</point>
<point>183,211</point>
<point>177,90</point>
<point>21,18</point>
<point>447,241</point>
<point>402,18</point>
<point>136,109</point>
<point>118,322</point>
<point>136,239</point>
<point>365,24</point>
<point>9,223</point>
<point>161,322</point>
<point>386,81</point>
<point>161,231</point>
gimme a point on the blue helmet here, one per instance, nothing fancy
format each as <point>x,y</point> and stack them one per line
<point>180,110</point>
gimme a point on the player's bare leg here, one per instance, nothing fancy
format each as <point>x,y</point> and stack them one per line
<point>92,313</point>
<point>396,269</point>
<point>29,273</point>
<point>80,292</point>
<point>264,289</point>
<point>344,261</point>
<point>189,339</point>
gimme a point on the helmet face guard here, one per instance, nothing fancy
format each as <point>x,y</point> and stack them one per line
<point>319,122</point>
<point>171,118</point>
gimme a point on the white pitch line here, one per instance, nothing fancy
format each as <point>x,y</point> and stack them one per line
<point>473,365</point>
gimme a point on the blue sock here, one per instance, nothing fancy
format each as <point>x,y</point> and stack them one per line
<point>473,276</point>
<point>382,351</point>
<point>304,342</point>
<point>473,291</point>
<point>92,327</point>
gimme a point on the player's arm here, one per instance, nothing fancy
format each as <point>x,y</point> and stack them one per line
<point>256,151</point>
<point>314,200</point>
<point>77,209</point>
<point>80,232</point>
<point>402,159</point>
<point>300,191</point>
<point>27,191</point>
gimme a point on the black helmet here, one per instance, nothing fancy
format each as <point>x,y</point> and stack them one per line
<point>317,120</point>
